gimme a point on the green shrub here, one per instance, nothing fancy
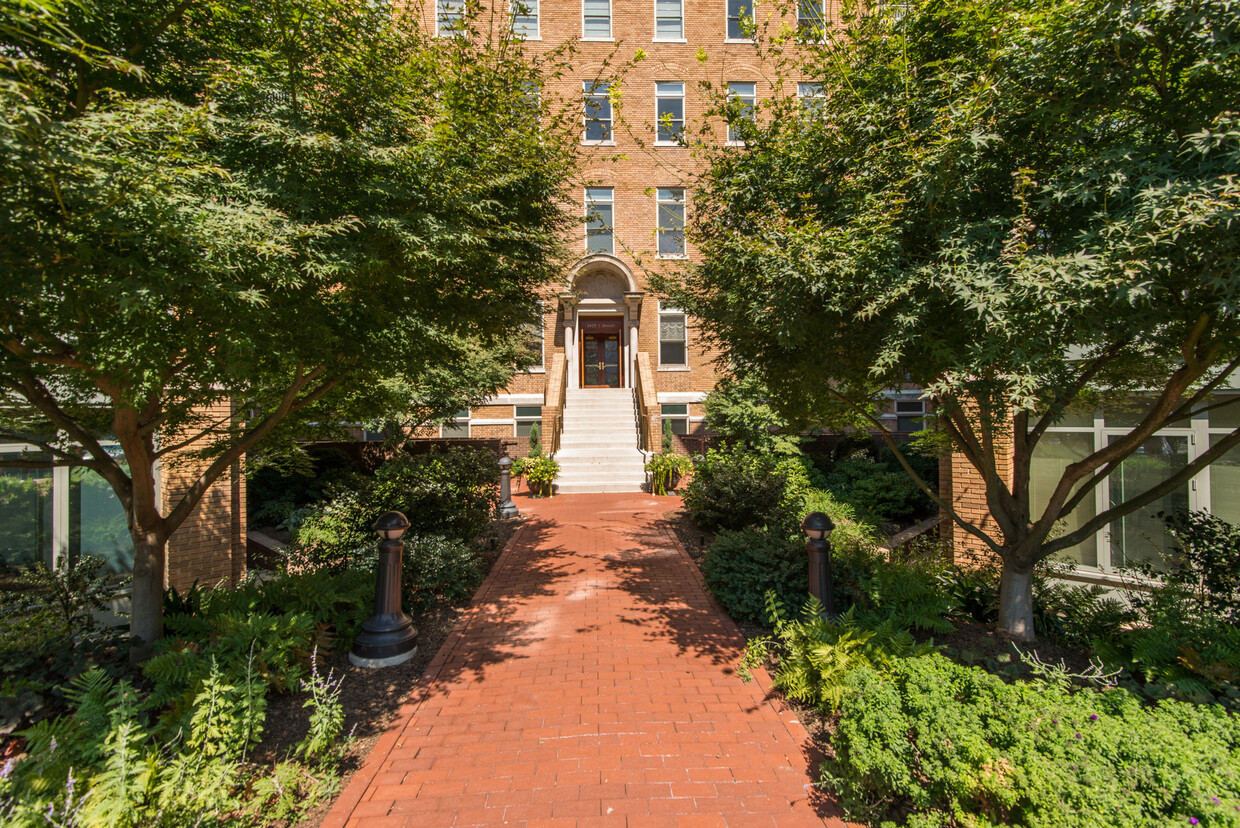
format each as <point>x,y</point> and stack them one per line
<point>540,474</point>
<point>666,471</point>
<point>452,493</point>
<point>274,492</point>
<point>437,571</point>
<point>878,492</point>
<point>954,745</point>
<point>735,489</point>
<point>741,566</point>
<point>850,534</point>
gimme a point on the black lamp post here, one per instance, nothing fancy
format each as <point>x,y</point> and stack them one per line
<point>387,637</point>
<point>817,527</point>
<point>506,507</point>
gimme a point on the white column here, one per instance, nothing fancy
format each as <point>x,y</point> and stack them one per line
<point>570,353</point>
<point>632,353</point>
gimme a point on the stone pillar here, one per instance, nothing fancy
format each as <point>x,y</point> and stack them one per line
<point>568,301</point>
<point>633,299</point>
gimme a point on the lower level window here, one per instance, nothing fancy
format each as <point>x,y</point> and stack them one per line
<point>457,426</point>
<point>910,415</point>
<point>51,515</point>
<point>677,415</point>
<point>527,416</point>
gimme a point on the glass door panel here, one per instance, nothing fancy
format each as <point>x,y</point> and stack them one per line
<point>591,361</point>
<point>1225,483</point>
<point>97,522</point>
<point>611,361</point>
<point>1140,536</point>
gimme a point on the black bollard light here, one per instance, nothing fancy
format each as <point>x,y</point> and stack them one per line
<point>387,637</point>
<point>506,507</point>
<point>817,527</point>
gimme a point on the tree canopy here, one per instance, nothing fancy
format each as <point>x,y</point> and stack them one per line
<point>1019,207</point>
<point>296,211</point>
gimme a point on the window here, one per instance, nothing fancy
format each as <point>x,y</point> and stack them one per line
<point>669,112</point>
<point>457,425</point>
<point>525,19</point>
<point>449,17</point>
<point>526,416</point>
<point>597,112</point>
<point>51,515</point>
<point>910,415</point>
<point>673,338</point>
<point>740,19</point>
<point>599,202</point>
<point>596,19</point>
<point>1138,536</point>
<point>745,93</point>
<point>678,416</point>
<point>811,98</point>
<point>671,229</point>
<point>669,20</point>
<point>810,18</point>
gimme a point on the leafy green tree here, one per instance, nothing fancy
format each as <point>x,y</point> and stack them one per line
<point>1018,207</point>
<point>224,220</point>
<point>739,412</point>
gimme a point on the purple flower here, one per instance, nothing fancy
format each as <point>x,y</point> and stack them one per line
<point>1216,800</point>
<point>1192,820</point>
<point>1078,735</point>
<point>1093,717</point>
<point>7,768</point>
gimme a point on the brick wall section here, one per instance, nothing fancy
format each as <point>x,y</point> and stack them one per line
<point>962,485</point>
<point>634,167</point>
<point>209,547</point>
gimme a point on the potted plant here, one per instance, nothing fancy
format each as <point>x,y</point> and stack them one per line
<point>667,467</point>
<point>540,474</point>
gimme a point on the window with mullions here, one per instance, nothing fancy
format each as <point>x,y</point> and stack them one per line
<point>449,17</point>
<point>910,415</point>
<point>670,203</point>
<point>746,94</point>
<point>52,515</point>
<point>599,204</point>
<point>596,19</point>
<point>457,425</point>
<point>597,106</point>
<point>810,19</point>
<point>677,415</point>
<point>741,20</point>
<point>673,338</point>
<point>669,20</point>
<point>811,98</point>
<point>526,416</point>
<point>669,112</point>
<point>525,19</point>
<point>1139,536</point>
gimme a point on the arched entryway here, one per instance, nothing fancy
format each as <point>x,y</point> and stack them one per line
<point>602,311</point>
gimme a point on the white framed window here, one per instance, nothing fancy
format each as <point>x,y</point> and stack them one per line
<point>670,204</point>
<point>456,426</point>
<point>678,415</point>
<point>597,112</point>
<point>449,17</point>
<point>60,514</point>
<point>669,20</point>
<point>525,19</point>
<point>669,112</point>
<point>811,98</point>
<point>1141,535</point>
<point>910,415</point>
<point>673,338</point>
<point>596,19</point>
<point>811,19</point>
<point>746,93</point>
<point>741,19</point>
<point>599,235</point>
<point>526,416</point>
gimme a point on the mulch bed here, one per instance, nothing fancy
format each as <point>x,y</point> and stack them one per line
<point>371,698</point>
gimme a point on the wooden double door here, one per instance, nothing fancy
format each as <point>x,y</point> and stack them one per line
<point>602,351</point>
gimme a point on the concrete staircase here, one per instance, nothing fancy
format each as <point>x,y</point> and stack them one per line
<point>598,446</point>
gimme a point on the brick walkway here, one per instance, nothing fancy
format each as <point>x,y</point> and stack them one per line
<point>592,682</point>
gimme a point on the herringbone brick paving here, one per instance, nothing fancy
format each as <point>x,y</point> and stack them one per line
<point>592,682</point>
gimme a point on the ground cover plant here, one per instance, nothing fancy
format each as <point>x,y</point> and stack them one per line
<point>170,745</point>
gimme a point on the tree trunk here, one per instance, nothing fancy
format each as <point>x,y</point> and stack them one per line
<point>1016,602</point>
<point>146,619</point>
